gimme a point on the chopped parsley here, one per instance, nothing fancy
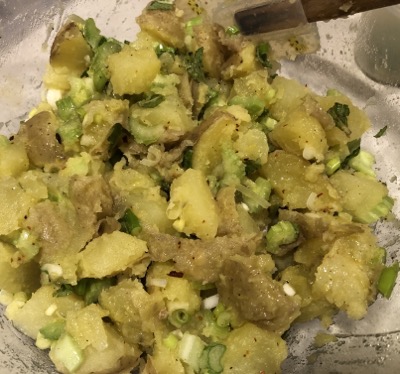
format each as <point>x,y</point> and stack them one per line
<point>381,132</point>
<point>151,101</point>
<point>262,51</point>
<point>160,5</point>
<point>340,112</point>
<point>194,65</point>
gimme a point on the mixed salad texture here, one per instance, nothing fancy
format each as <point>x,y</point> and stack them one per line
<point>174,205</point>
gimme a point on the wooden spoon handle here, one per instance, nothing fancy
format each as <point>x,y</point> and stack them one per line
<point>320,10</point>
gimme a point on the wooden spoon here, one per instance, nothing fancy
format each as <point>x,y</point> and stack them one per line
<point>282,15</point>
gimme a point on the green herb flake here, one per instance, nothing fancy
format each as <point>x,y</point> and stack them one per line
<point>381,132</point>
<point>162,48</point>
<point>354,148</point>
<point>340,112</point>
<point>151,101</point>
<point>130,223</point>
<point>194,65</point>
<point>160,5</point>
<point>262,51</point>
<point>64,290</point>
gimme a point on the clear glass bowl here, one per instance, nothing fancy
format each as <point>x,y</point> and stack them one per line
<point>371,345</point>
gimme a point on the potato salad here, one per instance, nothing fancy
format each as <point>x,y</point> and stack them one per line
<point>174,205</point>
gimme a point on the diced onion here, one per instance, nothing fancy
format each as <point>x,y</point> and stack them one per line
<point>157,282</point>
<point>51,310</point>
<point>289,290</point>
<point>211,302</point>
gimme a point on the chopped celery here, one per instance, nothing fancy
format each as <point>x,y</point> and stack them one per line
<point>171,341</point>
<point>234,168</point>
<point>363,162</point>
<point>387,280</point>
<point>282,233</point>
<point>253,104</point>
<point>130,223</point>
<point>70,133</point>
<point>27,245</point>
<point>190,350</point>
<point>67,351</point>
<point>65,108</point>
<point>333,165</point>
<point>379,211</point>
<point>53,330</point>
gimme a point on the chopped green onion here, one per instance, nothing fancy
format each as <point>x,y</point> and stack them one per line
<point>196,21</point>
<point>64,290</point>
<point>92,33</point>
<point>94,288</point>
<point>340,112</point>
<point>387,280</point>
<point>232,30</point>
<point>224,319</point>
<point>179,317</point>
<point>282,233</point>
<point>27,245</point>
<point>381,132</point>
<point>67,351</point>
<point>354,150</point>
<point>333,165</point>
<point>99,65</point>
<point>130,223</point>
<point>53,330</point>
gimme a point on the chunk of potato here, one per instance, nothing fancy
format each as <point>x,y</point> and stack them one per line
<point>13,158</point>
<point>302,135</point>
<point>23,278</point>
<point>70,50</point>
<point>294,180</point>
<point>192,206</point>
<point>250,349</point>
<point>31,317</point>
<point>110,254</point>
<point>132,71</point>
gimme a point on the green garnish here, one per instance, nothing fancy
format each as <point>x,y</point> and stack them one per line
<point>130,223</point>
<point>381,132</point>
<point>151,101</point>
<point>179,317</point>
<point>187,158</point>
<point>282,233</point>
<point>53,330</point>
<point>162,48</point>
<point>387,280</point>
<point>160,5</point>
<point>340,112</point>
<point>262,51</point>
<point>66,108</point>
<point>354,149</point>
<point>333,165</point>
<point>194,65</point>
<point>210,359</point>
<point>92,33</point>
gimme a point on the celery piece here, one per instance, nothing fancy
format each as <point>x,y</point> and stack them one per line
<point>67,351</point>
<point>363,162</point>
<point>27,245</point>
<point>65,108</point>
<point>387,280</point>
<point>53,330</point>
<point>190,350</point>
<point>282,233</point>
<point>92,33</point>
<point>171,341</point>
<point>253,104</point>
<point>333,165</point>
<point>130,223</point>
<point>70,133</point>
